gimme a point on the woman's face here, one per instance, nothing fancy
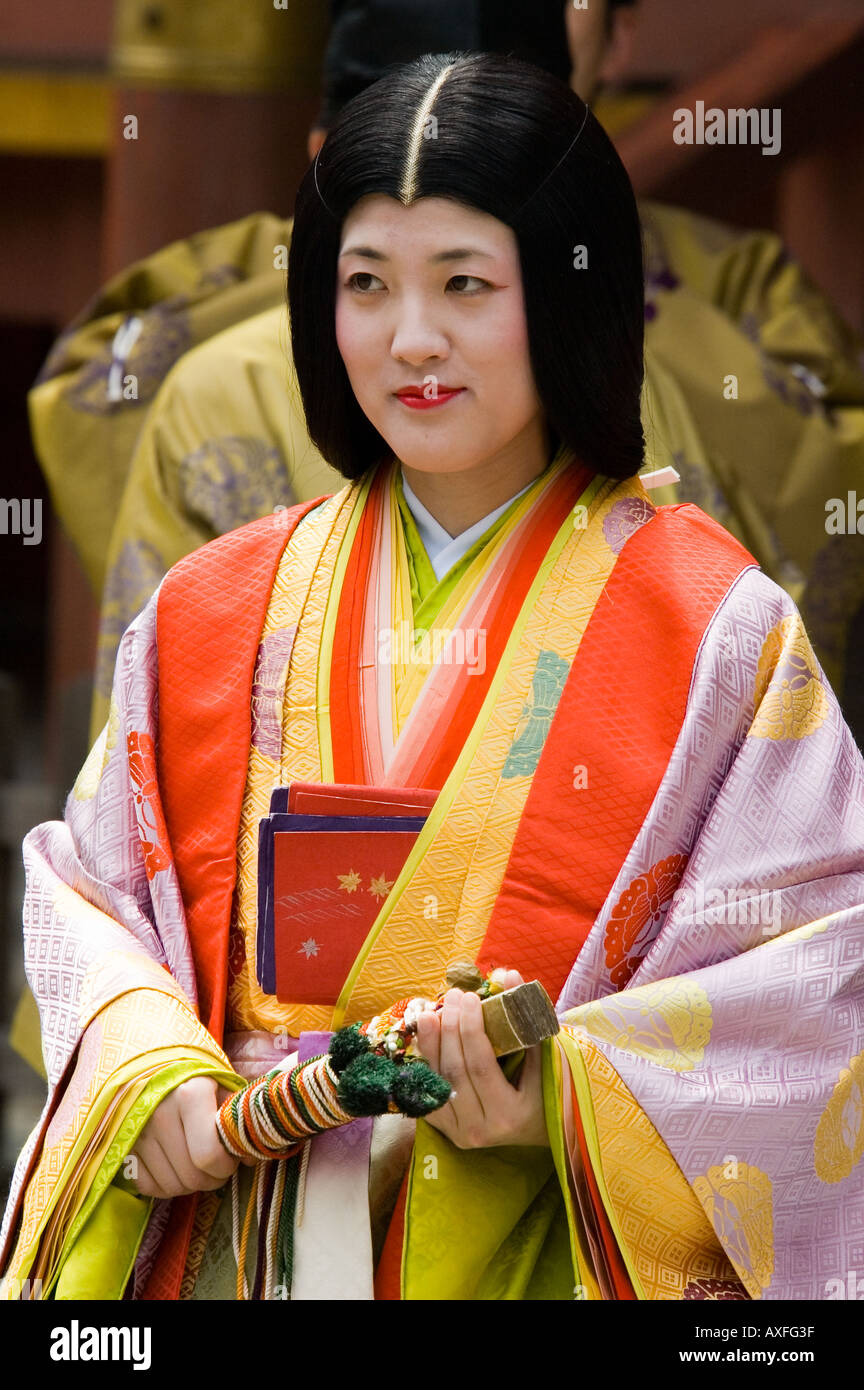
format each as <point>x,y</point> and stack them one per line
<point>429,298</point>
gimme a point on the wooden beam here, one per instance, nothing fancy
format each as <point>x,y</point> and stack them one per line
<point>773,66</point>
<point>50,113</point>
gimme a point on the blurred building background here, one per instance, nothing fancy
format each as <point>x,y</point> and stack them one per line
<point>224,92</point>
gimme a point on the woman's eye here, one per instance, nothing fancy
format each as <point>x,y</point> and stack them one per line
<point>467,284</point>
<point>360,281</point>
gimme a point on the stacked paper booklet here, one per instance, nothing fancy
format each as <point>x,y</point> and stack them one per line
<point>328,856</point>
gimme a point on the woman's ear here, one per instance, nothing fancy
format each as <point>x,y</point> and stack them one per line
<point>315,140</point>
<point>619,49</point>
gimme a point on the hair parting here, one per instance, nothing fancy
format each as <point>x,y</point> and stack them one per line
<point>408,189</point>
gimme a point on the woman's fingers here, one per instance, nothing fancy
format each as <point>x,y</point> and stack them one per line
<point>180,1146</point>
<point>530,1092</point>
<point>507,979</point>
<point>489,1083</point>
<point>198,1108</point>
<point>152,1157</point>
<point>429,1039</point>
<point>144,1179</point>
<point>510,1112</point>
<point>469,1075</point>
<point>452,1057</point>
<point>429,1023</point>
<point>172,1137</point>
<point>531,1071</point>
<point>485,1108</point>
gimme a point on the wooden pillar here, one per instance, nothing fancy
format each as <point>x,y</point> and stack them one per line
<point>212,108</point>
<point>821,218</point>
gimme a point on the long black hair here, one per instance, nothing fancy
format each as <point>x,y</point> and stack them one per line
<point>508,139</point>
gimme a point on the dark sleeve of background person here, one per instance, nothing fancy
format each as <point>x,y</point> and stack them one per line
<point>369,36</point>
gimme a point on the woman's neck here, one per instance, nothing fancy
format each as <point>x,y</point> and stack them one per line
<point>458,500</point>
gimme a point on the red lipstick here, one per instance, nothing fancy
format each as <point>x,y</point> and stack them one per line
<point>416,399</point>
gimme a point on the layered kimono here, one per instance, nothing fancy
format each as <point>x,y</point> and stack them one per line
<point>167,414</point>
<point>646,798</point>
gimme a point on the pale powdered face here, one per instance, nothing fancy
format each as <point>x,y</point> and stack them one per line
<point>430,296</point>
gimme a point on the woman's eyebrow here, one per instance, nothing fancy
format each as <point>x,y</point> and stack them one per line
<point>457,254</point>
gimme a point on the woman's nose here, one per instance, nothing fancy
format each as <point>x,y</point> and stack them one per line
<point>416,338</point>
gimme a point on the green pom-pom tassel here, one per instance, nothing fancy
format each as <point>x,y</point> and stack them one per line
<point>366,1084</point>
<point>345,1045</point>
<point>418,1090</point>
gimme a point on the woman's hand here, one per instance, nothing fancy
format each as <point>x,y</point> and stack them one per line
<point>486,1110</point>
<point>179,1149</point>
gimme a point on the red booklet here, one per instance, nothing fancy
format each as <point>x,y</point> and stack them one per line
<point>328,858</point>
<point>342,799</point>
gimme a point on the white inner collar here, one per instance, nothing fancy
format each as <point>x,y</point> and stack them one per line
<point>443,549</point>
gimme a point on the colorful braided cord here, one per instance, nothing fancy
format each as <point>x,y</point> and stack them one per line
<point>271,1117</point>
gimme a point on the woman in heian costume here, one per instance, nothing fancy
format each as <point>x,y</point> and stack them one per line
<point>646,795</point>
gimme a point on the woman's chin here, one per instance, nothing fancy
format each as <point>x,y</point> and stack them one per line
<point>441,459</point>
<point>435,451</point>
